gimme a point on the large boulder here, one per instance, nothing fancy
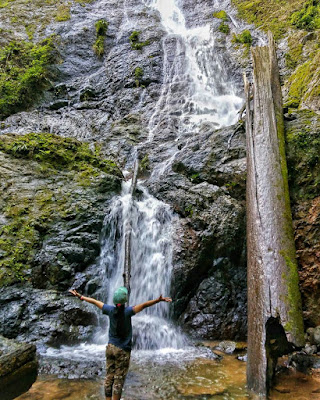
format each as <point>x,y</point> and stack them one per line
<point>18,367</point>
<point>45,316</point>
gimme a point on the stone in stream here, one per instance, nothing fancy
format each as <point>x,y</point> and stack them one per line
<point>227,346</point>
<point>18,367</point>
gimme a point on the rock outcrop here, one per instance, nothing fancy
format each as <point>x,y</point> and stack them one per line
<point>18,367</point>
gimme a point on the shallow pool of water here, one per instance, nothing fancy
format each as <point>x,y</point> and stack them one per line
<point>193,373</point>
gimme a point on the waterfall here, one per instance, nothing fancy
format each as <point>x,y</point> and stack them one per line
<point>197,86</point>
<point>196,89</point>
<point>151,262</point>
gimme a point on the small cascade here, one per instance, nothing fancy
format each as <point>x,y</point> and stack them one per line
<point>197,86</point>
<point>151,262</point>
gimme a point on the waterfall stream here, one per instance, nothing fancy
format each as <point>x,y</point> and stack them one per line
<point>151,263</point>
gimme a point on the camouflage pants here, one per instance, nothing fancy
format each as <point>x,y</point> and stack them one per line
<point>117,367</point>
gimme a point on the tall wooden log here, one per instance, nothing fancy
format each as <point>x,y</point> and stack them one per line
<point>274,302</point>
<point>128,234</point>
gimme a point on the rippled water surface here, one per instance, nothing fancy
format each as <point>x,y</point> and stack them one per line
<point>191,373</point>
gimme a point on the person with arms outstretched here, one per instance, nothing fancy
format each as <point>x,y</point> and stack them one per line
<point>120,337</point>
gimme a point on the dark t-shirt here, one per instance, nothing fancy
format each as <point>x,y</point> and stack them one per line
<point>124,342</point>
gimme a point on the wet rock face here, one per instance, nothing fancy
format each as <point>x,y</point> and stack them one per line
<point>303,138</point>
<point>93,95</point>
<point>45,316</point>
<point>18,367</point>
<point>207,190</point>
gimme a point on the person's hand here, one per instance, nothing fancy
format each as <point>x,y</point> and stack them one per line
<point>166,299</point>
<point>75,293</point>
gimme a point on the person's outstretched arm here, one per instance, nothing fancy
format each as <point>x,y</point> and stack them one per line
<point>87,299</point>
<point>150,303</point>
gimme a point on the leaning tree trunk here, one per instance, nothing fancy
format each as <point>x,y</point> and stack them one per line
<point>274,303</point>
<point>128,234</point>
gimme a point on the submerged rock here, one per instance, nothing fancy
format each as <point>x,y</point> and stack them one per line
<point>18,367</point>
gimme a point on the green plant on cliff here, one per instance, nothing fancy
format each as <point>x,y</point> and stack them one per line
<point>63,12</point>
<point>243,38</point>
<point>101,31</point>
<point>221,15</point>
<point>138,74</point>
<point>24,72</point>
<point>304,83</point>
<point>224,28</point>
<point>135,42</point>
<point>308,17</point>
<point>271,15</point>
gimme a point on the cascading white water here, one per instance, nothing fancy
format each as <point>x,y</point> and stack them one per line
<point>151,263</point>
<point>208,94</point>
<point>196,71</point>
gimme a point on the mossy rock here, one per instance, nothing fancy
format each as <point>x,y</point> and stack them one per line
<point>303,155</point>
<point>56,179</point>
<point>24,73</point>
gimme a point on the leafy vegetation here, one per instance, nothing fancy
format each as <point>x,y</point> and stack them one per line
<point>135,42</point>
<point>138,74</point>
<point>221,15</point>
<point>273,15</point>
<point>243,38</point>
<point>224,28</point>
<point>308,17</point>
<point>101,31</point>
<point>24,72</point>
<point>144,164</point>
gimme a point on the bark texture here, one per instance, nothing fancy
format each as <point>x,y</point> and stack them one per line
<point>274,302</point>
<point>128,233</point>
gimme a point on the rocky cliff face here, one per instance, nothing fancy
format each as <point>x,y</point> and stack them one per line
<point>128,90</point>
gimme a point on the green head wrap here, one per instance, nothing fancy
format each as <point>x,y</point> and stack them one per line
<point>120,295</point>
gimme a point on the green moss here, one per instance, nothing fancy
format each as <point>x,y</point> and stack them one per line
<point>58,152</point>
<point>224,28</point>
<point>101,31</point>
<point>308,17</point>
<point>295,322</point>
<point>4,3</point>
<point>63,12</point>
<point>221,15</point>
<point>303,144</point>
<point>273,15</point>
<point>304,83</point>
<point>24,73</point>
<point>189,210</point>
<point>135,42</point>
<point>243,38</point>
<point>138,74</point>
<point>144,164</point>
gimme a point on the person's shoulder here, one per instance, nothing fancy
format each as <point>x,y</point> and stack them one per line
<point>107,308</point>
<point>129,310</point>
